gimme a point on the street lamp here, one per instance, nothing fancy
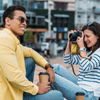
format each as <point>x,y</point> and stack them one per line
<point>49,16</point>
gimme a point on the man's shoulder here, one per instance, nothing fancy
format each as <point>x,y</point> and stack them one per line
<point>4,34</point>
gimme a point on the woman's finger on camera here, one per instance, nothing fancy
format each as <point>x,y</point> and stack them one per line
<point>82,34</point>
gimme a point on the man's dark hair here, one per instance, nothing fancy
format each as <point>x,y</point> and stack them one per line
<point>9,12</point>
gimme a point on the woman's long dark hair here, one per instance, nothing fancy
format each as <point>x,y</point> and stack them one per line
<point>95,28</point>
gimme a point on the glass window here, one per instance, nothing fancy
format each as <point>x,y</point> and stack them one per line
<point>88,18</point>
<point>40,5</point>
<point>55,21</point>
<point>79,18</point>
<point>60,6</point>
<point>14,2</point>
<point>33,20</point>
<point>65,6</point>
<point>18,2</point>
<point>41,21</point>
<point>55,5</point>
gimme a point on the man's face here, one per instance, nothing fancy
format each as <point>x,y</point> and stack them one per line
<point>15,25</point>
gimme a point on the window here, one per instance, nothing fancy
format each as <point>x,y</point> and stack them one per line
<point>60,6</point>
<point>40,21</point>
<point>40,5</point>
<point>95,18</point>
<point>18,2</point>
<point>55,21</point>
<point>33,20</point>
<point>88,18</point>
<point>65,6</point>
<point>14,2</point>
<point>79,18</point>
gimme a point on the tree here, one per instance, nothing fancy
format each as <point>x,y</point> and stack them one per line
<point>28,36</point>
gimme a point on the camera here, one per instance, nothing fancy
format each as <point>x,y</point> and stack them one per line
<point>73,36</point>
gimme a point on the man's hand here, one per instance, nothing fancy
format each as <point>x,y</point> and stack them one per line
<point>51,74</point>
<point>43,87</point>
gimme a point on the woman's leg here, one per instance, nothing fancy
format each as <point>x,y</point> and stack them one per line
<point>51,95</point>
<point>64,72</point>
<point>66,82</point>
<point>66,87</point>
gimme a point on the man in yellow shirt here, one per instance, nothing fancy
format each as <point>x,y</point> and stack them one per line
<point>13,81</point>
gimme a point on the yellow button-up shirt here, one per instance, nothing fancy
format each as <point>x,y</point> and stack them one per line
<point>12,67</point>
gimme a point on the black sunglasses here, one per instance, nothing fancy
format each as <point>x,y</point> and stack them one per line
<point>22,19</point>
<point>90,24</point>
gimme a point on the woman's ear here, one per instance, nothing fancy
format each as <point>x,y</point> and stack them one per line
<point>7,21</point>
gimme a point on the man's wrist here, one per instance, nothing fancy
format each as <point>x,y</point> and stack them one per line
<point>48,65</point>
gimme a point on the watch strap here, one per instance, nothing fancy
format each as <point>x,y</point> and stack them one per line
<point>48,65</point>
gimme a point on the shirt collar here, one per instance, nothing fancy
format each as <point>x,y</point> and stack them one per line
<point>10,33</point>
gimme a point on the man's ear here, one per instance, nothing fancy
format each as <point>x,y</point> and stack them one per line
<point>7,21</point>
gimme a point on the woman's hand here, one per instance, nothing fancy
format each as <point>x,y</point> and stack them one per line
<point>80,41</point>
<point>72,31</point>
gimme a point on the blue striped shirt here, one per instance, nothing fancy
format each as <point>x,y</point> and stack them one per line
<point>89,70</point>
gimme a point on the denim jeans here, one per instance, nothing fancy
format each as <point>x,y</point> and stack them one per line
<point>66,82</point>
<point>51,95</point>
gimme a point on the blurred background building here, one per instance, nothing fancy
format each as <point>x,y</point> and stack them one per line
<point>52,19</point>
<point>86,11</point>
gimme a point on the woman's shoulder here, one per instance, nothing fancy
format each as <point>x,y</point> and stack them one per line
<point>97,51</point>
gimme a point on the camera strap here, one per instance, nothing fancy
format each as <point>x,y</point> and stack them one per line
<point>73,67</point>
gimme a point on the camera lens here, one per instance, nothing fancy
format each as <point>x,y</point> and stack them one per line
<point>73,36</point>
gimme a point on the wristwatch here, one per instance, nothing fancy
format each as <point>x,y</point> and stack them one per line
<point>49,65</point>
<point>83,49</point>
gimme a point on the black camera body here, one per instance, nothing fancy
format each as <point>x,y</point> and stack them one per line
<point>73,36</point>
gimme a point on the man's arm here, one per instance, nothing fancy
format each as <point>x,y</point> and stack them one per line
<point>39,60</point>
<point>28,52</point>
<point>10,68</point>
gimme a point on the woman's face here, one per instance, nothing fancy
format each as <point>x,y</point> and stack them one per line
<point>89,38</point>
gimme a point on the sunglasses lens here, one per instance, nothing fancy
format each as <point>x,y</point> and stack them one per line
<point>22,19</point>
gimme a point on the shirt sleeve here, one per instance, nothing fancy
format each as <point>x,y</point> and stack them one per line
<point>39,60</point>
<point>10,69</point>
<point>87,65</point>
<point>75,59</point>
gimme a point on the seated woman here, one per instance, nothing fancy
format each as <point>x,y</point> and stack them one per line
<point>88,80</point>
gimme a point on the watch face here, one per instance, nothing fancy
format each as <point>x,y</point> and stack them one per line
<point>84,49</point>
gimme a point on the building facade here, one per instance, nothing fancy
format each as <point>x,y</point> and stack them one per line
<point>86,11</point>
<point>61,19</point>
<point>60,22</point>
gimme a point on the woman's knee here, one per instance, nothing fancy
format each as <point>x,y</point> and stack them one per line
<point>57,67</point>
